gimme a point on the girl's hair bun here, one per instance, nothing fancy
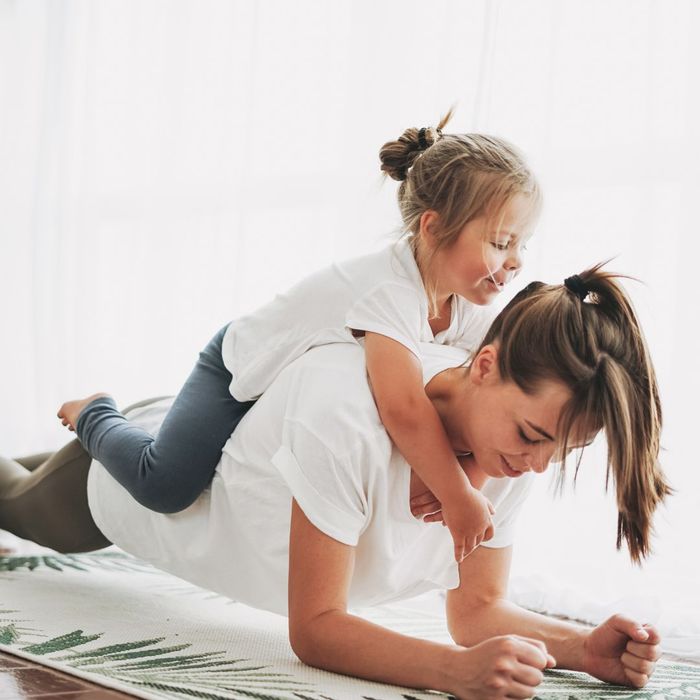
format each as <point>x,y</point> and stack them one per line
<point>398,156</point>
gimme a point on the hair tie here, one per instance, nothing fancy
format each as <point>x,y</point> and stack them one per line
<point>421,139</point>
<point>423,142</point>
<point>576,285</point>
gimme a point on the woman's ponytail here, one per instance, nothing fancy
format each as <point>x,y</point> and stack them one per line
<point>585,334</point>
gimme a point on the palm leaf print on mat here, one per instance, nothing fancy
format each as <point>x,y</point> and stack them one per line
<point>10,631</point>
<point>147,663</point>
<point>112,561</point>
<point>117,621</point>
<point>670,682</point>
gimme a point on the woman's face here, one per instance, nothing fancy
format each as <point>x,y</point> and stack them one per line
<point>508,431</point>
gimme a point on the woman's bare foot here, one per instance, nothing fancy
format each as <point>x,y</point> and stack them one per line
<point>69,412</point>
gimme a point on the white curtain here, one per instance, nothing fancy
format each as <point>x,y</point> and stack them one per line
<point>166,166</point>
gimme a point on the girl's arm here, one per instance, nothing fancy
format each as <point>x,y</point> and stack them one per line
<point>396,378</point>
<point>617,651</point>
<point>425,505</point>
<point>323,634</point>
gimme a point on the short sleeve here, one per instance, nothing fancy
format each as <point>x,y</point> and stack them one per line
<point>329,489</point>
<point>507,509</point>
<point>391,309</point>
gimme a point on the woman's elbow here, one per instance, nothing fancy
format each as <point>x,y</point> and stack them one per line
<point>465,621</point>
<point>306,646</point>
<point>298,640</point>
<point>310,639</point>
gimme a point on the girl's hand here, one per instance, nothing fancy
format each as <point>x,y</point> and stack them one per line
<point>622,651</point>
<point>500,667</point>
<point>470,527</point>
<point>425,504</point>
<point>469,520</point>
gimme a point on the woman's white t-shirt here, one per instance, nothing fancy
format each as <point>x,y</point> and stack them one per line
<point>381,293</point>
<point>315,436</point>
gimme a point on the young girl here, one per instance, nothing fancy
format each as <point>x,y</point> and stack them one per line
<point>468,202</point>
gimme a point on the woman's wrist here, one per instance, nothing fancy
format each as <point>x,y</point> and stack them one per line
<point>451,669</point>
<point>580,657</point>
<point>571,651</point>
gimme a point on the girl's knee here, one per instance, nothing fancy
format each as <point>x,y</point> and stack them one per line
<point>160,500</point>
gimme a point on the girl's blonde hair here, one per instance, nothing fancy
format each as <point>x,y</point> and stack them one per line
<point>459,176</point>
<point>597,349</point>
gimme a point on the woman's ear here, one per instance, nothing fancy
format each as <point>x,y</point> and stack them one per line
<point>484,366</point>
<point>429,223</point>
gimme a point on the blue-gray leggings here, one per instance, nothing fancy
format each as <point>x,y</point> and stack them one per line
<point>167,473</point>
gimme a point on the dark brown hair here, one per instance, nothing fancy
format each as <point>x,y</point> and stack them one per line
<point>597,349</point>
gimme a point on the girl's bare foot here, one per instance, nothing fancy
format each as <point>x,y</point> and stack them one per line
<point>69,412</point>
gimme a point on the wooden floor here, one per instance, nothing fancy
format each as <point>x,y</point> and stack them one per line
<point>20,678</point>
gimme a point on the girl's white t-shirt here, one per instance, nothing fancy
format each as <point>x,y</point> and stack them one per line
<point>315,436</point>
<point>381,293</point>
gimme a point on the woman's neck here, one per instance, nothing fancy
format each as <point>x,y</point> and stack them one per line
<point>443,387</point>
<point>445,390</point>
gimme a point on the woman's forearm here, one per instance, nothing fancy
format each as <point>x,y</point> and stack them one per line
<point>564,640</point>
<point>343,643</point>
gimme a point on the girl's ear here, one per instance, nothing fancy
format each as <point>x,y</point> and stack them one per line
<point>429,222</point>
<point>484,366</point>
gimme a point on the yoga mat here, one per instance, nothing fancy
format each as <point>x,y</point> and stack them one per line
<point>119,622</point>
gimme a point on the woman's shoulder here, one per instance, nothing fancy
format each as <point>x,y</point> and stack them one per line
<point>330,377</point>
<point>320,411</point>
<point>327,391</point>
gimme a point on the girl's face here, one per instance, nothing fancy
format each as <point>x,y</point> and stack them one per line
<point>486,255</point>
<point>507,431</point>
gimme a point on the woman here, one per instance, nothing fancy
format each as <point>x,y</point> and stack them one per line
<point>308,511</point>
